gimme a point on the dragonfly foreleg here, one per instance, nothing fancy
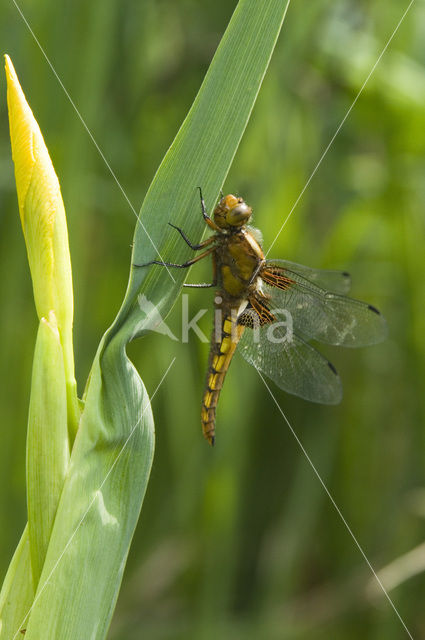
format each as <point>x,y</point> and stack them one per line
<point>210,222</point>
<point>203,207</point>
<point>195,247</point>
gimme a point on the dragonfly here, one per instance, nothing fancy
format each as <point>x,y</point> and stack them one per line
<point>271,310</point>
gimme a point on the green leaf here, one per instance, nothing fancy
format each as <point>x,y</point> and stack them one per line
<point>17,592</point>
<point>47,441</point>
<point>99,506</point>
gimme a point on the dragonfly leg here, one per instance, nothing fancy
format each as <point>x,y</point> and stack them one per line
<point>201,285</point>
<point>173,264</point>
<point>207,284</point>
<point>207,218</point>
<point>195,247</point>
<point>203,207</point>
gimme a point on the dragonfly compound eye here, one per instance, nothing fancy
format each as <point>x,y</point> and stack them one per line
<point>239,214</point>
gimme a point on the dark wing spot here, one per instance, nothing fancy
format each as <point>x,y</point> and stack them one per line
<point>332,368</point>
<point>345,274</point>
<point>374,309</point>
<point>247,320</point>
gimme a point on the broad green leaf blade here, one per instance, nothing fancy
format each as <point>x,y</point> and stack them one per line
<point>17,592</point>
<point>99,506</point>
<point>47,440</point>
<point>200,155</point>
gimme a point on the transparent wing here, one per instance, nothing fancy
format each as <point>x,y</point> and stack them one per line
<point>256,233</point>
<point>294,365</point>
<point>336,281</point>
<point>318,313</point>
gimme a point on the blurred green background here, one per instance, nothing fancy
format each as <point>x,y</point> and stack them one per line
<point>241,541</point>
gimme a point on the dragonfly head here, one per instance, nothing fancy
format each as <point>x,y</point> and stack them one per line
<point>232,212</point>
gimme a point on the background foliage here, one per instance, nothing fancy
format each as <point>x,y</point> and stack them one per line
<point>241,541</point>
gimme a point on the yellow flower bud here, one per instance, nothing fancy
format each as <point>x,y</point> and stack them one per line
<point>44,225</point>
<point>41,209</point>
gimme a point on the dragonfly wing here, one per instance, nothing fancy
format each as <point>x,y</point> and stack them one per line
<point>328,279</point>
<point>318,313</point>
<point>293,364</point>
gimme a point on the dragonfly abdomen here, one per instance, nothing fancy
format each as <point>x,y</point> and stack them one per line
<point>221,354</point>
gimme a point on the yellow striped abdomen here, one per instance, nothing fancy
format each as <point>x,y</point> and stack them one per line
<point>221,354</point>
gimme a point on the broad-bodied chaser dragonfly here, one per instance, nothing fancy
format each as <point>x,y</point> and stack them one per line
<point>272,308</point>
